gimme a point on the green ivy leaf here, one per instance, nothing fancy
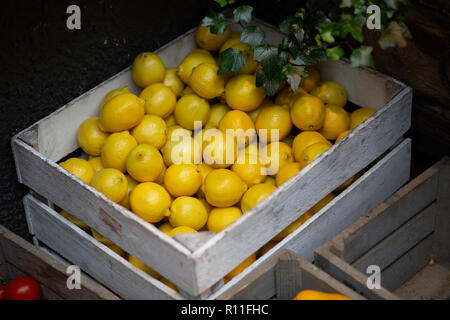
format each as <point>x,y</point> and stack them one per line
<point>394,36</point>
<point>231,60</point>
<point>362,57</point>
<point>216,22</point>
<point>270,85</point>
<point>268,57</point>
<point>253,36</point>
<point>243,13</point>
<point>335,53</point>
<point>302,59</point>
<point>294,76</point>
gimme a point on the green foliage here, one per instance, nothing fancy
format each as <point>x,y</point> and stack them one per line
<point>324,28</point>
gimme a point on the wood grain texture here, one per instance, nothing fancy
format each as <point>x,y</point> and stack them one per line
<point>441,245</point>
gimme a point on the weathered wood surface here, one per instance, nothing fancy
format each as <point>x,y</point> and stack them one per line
<point>24,259</point>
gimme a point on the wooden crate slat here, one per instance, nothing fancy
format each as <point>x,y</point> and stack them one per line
<point>441,243</point>
<point>93,257</point>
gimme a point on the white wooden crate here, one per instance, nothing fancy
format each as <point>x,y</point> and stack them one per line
<point>197,268</point>
<point>407,237</point>
<point>103,264</point>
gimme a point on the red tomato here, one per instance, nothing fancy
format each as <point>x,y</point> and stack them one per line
<point>23,288</point>
<point>2,292</point>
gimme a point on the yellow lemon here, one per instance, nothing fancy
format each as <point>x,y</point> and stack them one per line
<point>181,229</point>
<point>170,121</point>
<point>275,155</point>
<point>219,150</point>
<point>112,94</point>
<point>205,81</point>
<point>312,152</point>
<point>208,207</point>
<point>304,140</point>
<point>101,238</point>
<point>193,59</point>
<point>140,265</point>
<point>217,112</point>
<point>159,100</point>
<point>90,137</point>
<point>319,295</point>
<point>322,203</point>
<point>115,150</point>
<point>181,148</point>
<point>150,201</point>
<point>148,68</point>
<point>337,120</point>
<point>255,194</point>
<point>269,245</point>
<point>188,212</point>
<point>175,131</point>
<point>160,179</point>
<point>166,227</point>
<point>250,64</point>
<point>220,218</point>
<point>131,185</point>
<point>308,113</point>
<point>80,168</point>
<point>270,180</point>
<point>331,92</point>
<point>80,224</point>
<point>238,124</point>
<point>241,93</point>
<point>186,91</point>
<point>209,41</point>
<point>248,166</point>
<point>152,130</point>
<point>286,172</point>
<point>235,38</point>
<point>254,114</point>
<point>112,183</point>
<point>191,108</point>
<point>293,226</point>
<point>241,267</point>
<point>223,188</point>
<point>182,179</point>
<point>121,113</point>
<point>145,163</point>
<point>273,123</point>
<point>96,163</point>
<point>204,171</point>
<point>312,80</point>
<point>172,81</point>
<point>342,134</point>
<point>359,116</point>
<point>288,97</point>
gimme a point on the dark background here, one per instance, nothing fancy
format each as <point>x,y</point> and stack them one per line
<point>43,65</point>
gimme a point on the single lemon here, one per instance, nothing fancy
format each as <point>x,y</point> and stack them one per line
<point>255,194</point>
<point>304,140</point>
<point>312,152</point>
<point>308,113</point>
<point>241,267</point>
<point>112,183</point>
<point>160,179</point>
<point>101,238</point>
<point>238,124</point>
<point>275,155</point>
<point>250,65</point>
<point>145,163</point>
<point>172,81</point>
<point>80,224</point>
<point>121,113</point>
<point>175,131</point>
<point>90,137</point>
<point>159,100</point>
<point>131,185</point>
<point>216,113</point>
<point>170,121</point>
<point>150,201</point>
<point>193,59</point>
<point>148,68</point>
<point>223,188</point>
<point>191,108</point>
<point>286,172</point>
<point>270,180</point>
<point>288,97</point>
<point>96,163</point>
<point>337,120</point>
<point>208,207</point>
<point>342,134</point>
<point>140,265</point>
<point>112,94</point>
<point>181,148</point>
<point>331,92</point>
<point>235,38</point>
<point>241,93</point>
<point>318,295</point>
<point>80,168</point>
<point>187,90</point>
<point>254,114</point>
<point>182,179</point>
<point>207,40</point>
<point>205,81</point>
<point>220,218</point>
<point>115,150</point>
<point>359,116</point>
<point>188,212</point>
<point>166,227</point>
<point>181,229</point>
<point>219,149</point>
<point>293,226</point>
<point>312,80</point>
<point>204,171</point>
<point>152,130</point>
<point>273,123</point>
<point>248,166</point>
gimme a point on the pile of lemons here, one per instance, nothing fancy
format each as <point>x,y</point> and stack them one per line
<point>136,143</point>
